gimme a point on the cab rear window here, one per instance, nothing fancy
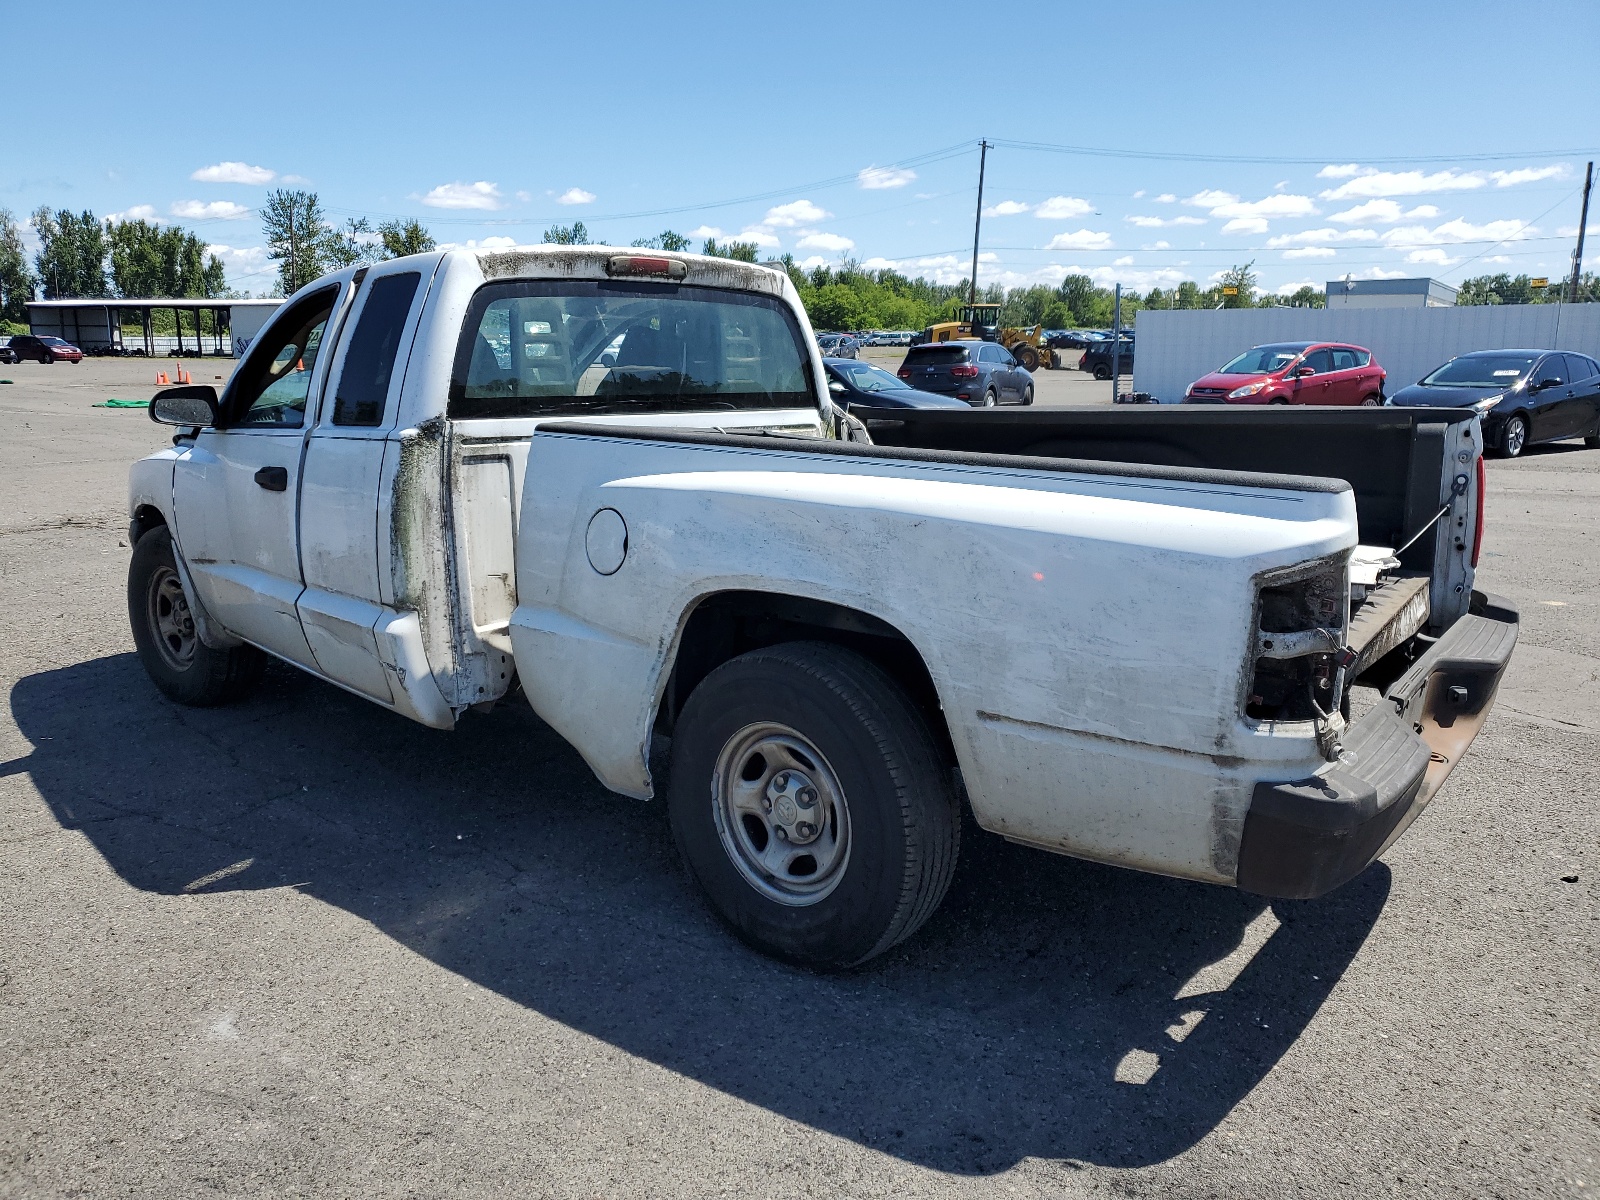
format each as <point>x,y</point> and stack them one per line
<point>550,348</point>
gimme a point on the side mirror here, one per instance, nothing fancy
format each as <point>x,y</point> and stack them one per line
<point>837,388</point>
<point>1302,372</point>
<point>193,404</point>
<point>1546,383</point>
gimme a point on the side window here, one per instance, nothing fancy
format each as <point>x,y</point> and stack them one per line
<point>369,362</point>
<point>1344,359</point>
<point>1320,362</point>
<point>1551,370</point>
<point>1578,367</point>
<point>989,354</point>
<point>275,377</point>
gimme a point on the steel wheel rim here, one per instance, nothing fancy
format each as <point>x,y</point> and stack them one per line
<point>781,814</point>
<point>170,619</point>
<point>1516,435</point>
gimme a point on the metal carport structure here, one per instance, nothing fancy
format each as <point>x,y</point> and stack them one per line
<point>95,324</point>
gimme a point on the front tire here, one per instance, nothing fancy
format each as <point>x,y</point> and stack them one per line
<point>177,661</point>
<point>1027,394</point>
<point>1027,358</point>
<point>1515,438</point>
<point>812,805</point>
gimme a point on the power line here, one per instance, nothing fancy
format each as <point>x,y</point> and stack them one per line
<point>1277,160</point>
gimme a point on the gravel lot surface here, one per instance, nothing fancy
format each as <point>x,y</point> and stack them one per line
<point>301,946</point>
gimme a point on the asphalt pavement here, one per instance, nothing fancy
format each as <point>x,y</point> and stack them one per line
<point>301,946</point>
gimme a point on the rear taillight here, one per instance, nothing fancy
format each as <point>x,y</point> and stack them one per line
<point>904,372</point>
<point>1477,522</point>
<point>646,264</point>
<point>964,372</point>
<point>1084,358</point>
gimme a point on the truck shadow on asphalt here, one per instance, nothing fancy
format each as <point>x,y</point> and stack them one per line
<point>1035,1015</point>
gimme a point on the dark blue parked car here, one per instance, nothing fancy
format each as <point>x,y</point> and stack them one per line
<point>1523,396</point>
<point>851,381</point>
<point>982,373</point>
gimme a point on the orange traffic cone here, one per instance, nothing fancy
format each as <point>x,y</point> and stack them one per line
<point>161,379</point>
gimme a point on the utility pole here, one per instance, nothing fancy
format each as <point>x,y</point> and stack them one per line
<point>1583,223</point>
<point>977,222</point>
<point>294,277</point>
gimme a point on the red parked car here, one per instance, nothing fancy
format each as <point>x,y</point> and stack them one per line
<point>43,349</point>
<point>1294,373</point>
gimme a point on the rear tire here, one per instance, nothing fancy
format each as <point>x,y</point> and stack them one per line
<point>810,729</point>
<point>1027,394</point>
<point>177,661</point>
<point>990,399</point>
<point>1372,401</point>
<point>1102,372</point>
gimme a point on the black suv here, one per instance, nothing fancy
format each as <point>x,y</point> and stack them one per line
<point>1097,358</point>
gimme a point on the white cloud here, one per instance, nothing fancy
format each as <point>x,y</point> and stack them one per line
<point>1458,230</point>
<point>877,179</point>
<point>244,262</point>
<point>1343,171</point>
<point>139,212</point>
<point>1497,258</point>
<point>1321,237</point>
<point>704,231</point>
<point>1527,175</point>
<point>1278,205</point>
<point>815,260</point>
<point>1107,276</point>
<point>480,195</point>
<point>523,196</point>
<point>1405,183</point>
<point>1163,222</point>
<point>1311,252</point>
<point>1007,208</point>
<point>1211,198</point>
<point>1166,198</point>
<point>1380,273</point>
<point>816,239</point>
<point>1063,208</point>
<point>796,212</point>
<point>1289,289</point>
<point>575,195</point>
<point>489,243</point>
<point>1385,212</point>
<point>1246,225</point>
<point>941,268</point>
<point>764,238</point>
<point>1083,239</point>
<point>294,179</point>
<point>233,172</point>
<point>215,210</point>
<point>1139,195</point>
<point>1160,246</point>
<point>1436,257</point>
<point>1125,261</point>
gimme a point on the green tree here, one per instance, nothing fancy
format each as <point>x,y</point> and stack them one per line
<point>665,240</point>
<point>351,243</point>
<point>401,238</point>
<point>565,235</point>
<point>837,306</point>
<point>1306,296</point>
<point>147,260</point>
<point>72,254</point>
<point>16,281</point>
<point>298,237</point>
<point>743,251</point>
<point>1242,278</point>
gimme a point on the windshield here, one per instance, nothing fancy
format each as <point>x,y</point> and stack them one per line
<point>52,341</point>
<point>1481,370</point>
<point>1263,360</point>
<point>867,378</point>
<point>548,348</point>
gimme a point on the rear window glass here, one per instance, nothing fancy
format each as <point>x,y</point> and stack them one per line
<point>550,348</point>
<point>938,356</point>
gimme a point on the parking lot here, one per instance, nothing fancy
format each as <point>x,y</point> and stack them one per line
<point>303,944</point>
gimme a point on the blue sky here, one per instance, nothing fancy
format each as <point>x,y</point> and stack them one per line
<point>1143,142</point>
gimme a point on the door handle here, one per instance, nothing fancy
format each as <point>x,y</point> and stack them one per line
<point>274,479</point>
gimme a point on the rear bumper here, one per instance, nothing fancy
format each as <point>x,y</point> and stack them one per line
<point>1305,837</point>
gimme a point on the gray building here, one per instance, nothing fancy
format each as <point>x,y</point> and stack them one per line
<point>1390,293</point>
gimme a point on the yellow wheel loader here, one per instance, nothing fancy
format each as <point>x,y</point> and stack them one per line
<point>983,321</point>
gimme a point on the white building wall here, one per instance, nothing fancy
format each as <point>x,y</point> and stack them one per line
<point>1176,347</point>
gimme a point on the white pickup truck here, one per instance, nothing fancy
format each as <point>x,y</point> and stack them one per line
<point>615,481</point>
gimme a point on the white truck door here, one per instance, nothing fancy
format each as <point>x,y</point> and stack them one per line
<point>234,491</point>
<point>341,604</point>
